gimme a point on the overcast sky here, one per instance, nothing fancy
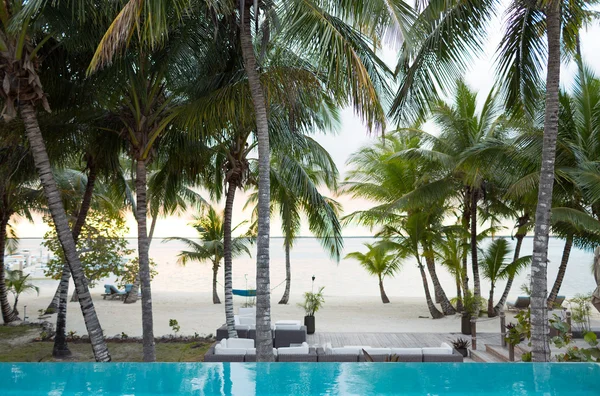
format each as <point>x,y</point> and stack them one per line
<point>353,135</point>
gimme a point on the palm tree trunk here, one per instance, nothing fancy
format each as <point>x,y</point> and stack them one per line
<point>440,294</point>
<point>500,306</point>
<point>144,260</point>
<point>466,221</point>
<point>61,348</point>
<point>288,274</point>
<point>132,296</point>
<point>474,260</point>
<point>491,311</point>
<point>264,339</point>
<point>42,163</point>
<point>215,274</point>
<point>384,297</point>
<point>86,204</point>
<point>228,261</point>
<point>8,314</point>
<point>459,304</point>
<point>539,287</point>
<point>561,271</point>
<point>435,313</point>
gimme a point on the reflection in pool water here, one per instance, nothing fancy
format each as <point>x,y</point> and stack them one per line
<point>141,379</point>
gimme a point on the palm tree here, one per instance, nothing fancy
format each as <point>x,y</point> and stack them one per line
<point>211,247</point>
<point>18,284</point>
<point>297,172</point>
<point>22,51</point>
<point>495,267</point>
<point>451,251</point>
<point>455,164</point>
<point>378,261</point>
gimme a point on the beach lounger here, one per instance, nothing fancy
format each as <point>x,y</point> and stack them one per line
<point>520,304</point>
<point>112,292</point>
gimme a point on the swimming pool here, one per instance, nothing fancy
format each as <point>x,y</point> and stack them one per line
<point>140,379</point>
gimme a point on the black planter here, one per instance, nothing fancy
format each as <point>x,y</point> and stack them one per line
<point>465,324</point>
<point>463,351</point>
<point>309,322</point>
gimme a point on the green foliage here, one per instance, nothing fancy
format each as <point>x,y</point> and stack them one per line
<point>574,353</point>
<point>380,260</point>
<point>461,343</point>
<point>101,246</point>
<point>130,270</point>
<point>16,283</point>
<point>581,311</point>
<point>470,302</point>
<point>174,326</point>
<point>516,333</point>
<point>313,302</point>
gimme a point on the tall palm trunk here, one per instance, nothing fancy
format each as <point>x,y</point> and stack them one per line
<point>216,299</point>
<point>42,163</point>
<point>264,339</point>
<point>288,274</point>
<point>60,348</point>
<point>561,271</point>
<point>8,314</point>
<point>539,314</point>
<point>500,306</point>
<point>490,309</point>
<point>474,261</point>
<point>459,303</point>
<point>440,294</point>
<point>435,313</point>
<point>144,261</point>
<point>86,204</point>
<point>228,261</point>
<point>384,297</point>
<point>466,221</point>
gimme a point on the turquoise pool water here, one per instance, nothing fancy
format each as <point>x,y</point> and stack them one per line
<point>138,379</point>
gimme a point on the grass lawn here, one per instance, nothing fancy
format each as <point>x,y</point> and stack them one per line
<point>16,345</point>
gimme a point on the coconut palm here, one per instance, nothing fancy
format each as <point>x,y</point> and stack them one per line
<point>211,247</point>
<point>297,173</point>
<point>495,266</point>
<point>450,252</point>
<point>380,261</point>
<point>23,49</point>
<point>17,284</point>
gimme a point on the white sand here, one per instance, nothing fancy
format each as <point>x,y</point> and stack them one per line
<point>196,313</point>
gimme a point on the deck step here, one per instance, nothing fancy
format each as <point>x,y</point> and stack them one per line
<point>484,357</point>
<point>498,351</point>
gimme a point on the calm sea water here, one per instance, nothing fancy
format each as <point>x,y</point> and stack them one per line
<point>345,278</point>
<point>139,379</point>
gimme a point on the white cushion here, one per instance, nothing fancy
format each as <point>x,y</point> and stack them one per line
<point>301,350</point>
<point>436,351</point>
<point>406,351</point>
<point>236,319</point>
<point>289,322</point>
<point>287,327</point>
<point>247,320</point>
<point>447,346</point>
<point>378,351</point>
<point>240,343</point>
<point>348,350</point>
<point>242,327</point>
<point>220,350</point>
<point>247,311</point>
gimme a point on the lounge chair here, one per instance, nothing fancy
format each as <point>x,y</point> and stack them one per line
<point>229,350</point>
<point>112,292</point>
<point>520,304</point>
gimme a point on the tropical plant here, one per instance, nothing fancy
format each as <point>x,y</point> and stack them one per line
<point>209,226</point>
<point>312,302</point>
<point>380,260</point>
<point>17,284</point>
<point>451,251</point>
<point>494,267</point>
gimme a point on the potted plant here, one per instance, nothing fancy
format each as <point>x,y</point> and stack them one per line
<point>470,307</point>
<point>461,345</point>
<point>312,303</point>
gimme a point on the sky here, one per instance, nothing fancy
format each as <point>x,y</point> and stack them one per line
<point>353,134</point>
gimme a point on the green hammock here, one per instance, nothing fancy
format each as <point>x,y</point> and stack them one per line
<point>244,293</point>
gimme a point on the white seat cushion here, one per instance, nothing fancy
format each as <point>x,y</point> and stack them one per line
<point>240,343</point>
<point>236,319</point>
<point>287,327</point>
<point>348,350</point>
<point>406,351</point>
<point>289,322</point>
<point>447,346</point>
<point>301,350</point>
<point>220,350</point>
<point>247,320</point>
<point>378,351</point>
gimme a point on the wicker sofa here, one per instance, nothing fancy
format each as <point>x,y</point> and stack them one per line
<point>444,353</point>
<point>216,353</point>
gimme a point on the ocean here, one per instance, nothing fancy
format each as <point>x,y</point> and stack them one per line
<point>344,278</point>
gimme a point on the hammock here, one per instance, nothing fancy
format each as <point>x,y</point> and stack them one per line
<point>244,293</point>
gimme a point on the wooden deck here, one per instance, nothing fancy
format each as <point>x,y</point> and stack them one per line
<point>398,340</point>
